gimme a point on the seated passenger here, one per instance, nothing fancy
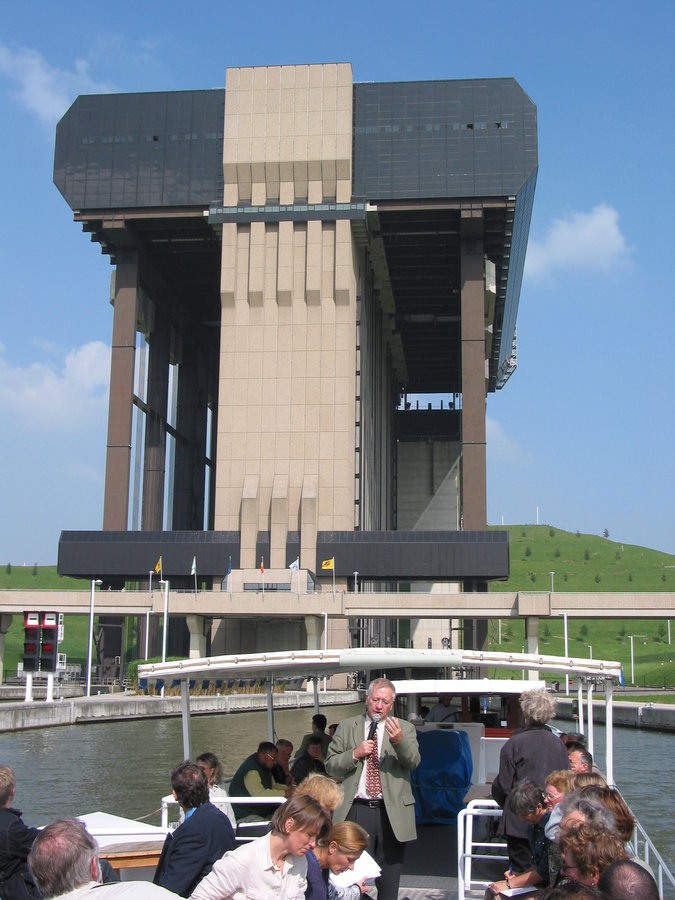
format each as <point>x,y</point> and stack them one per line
<point>309,761</point>
<point>319,722</point>
<point>254,778</point>
<point>65,864</point>
<point>16,839</point>
<point>580,759</point>
<point>586,852</point>
<point>335,853</point>
<point>211,767</point>
<point>281,772</point>
<point>528,803</point>
<point>201,839</point>
<point>273,865</point>
<point>578,810</point>
<point>442,711</point>
<point>626,880</point>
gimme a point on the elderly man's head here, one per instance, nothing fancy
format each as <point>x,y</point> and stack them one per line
<point>64,857</point>
<point>190,785</point>
<point>580,759</point>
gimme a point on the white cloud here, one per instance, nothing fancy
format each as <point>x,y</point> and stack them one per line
<point>583,240</point>
<point>42,396</point>
<point>42,89</point>
<point>501,447</point>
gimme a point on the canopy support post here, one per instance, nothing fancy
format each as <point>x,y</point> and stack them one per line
<point>185,717</point>
<point>270,710</point>
<point>609,731</point>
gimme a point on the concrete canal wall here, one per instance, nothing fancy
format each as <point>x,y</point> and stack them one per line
<point>657,716</point>
<point>111,707</point>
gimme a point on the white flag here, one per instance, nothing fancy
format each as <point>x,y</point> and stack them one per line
<point>193,570</point>
<point>295,565</point>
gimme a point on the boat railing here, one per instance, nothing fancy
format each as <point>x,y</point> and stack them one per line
<point>244,831</point>
<point>644,849</point>
<point>470,849</point>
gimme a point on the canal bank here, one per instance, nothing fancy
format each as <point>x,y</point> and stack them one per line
<point>17,716</point>
<point>656,716</point>
<point>115,707</point>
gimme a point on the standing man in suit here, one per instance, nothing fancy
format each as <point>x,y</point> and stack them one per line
<point>203,837</point>
<point>374,756</point>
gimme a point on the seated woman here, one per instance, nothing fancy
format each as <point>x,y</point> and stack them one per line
<point>558,784</point>
<point>211,767</point>
<point>528,803</point>
<point>337,853</point>
<point>587,850</point>
<point>273,865</point>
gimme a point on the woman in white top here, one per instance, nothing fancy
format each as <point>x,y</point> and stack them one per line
<point>210,765</point>
<point>274,865</point>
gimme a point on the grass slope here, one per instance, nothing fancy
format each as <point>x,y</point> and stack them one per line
<point>586,562</point>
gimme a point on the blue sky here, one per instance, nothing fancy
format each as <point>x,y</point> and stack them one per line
<point>582,435</point>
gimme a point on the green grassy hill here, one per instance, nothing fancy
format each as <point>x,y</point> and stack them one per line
<point>581,562</point>
<point>586,562</point>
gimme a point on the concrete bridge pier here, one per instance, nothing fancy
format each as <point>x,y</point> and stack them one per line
<point>195,626</point>
<point>532,640</point>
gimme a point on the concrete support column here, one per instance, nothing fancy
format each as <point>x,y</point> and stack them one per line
<point>5,623</point>
<point>279,522</point>
<point>118,453</point>
<point>532,640</point>
<point>195,625</point>
<point>250,503</point>
<point>155,427</point>
<point>474,494</point>
<point>314,626</point>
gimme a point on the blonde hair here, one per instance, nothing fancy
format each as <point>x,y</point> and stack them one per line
<point>349,836</point>
<point>322,788</point>
<point>584,779</point>
<point>7,783</point>
<point>562,780</point>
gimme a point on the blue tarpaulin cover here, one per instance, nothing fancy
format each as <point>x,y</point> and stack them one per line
<point>443,777</point>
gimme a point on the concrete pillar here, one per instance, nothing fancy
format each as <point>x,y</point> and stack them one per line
<point>195,625</point>
<point>5,623</point>
<point>314,626</point>
<point>532,640</point>
<point>155,428</point>
<point>118,452</point>
<point>474,494</point>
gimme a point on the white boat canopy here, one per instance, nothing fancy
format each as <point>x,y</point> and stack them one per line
<point>316,664</point>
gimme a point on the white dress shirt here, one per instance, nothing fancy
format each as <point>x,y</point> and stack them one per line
<point>248,872</point>
<point>361,790</point>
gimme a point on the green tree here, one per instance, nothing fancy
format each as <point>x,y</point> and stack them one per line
<point>35,570</point>
<point>551,532</point>
<point>597,579</point>
<point>528,551</point>
<point>605,533</point>
<point>587,554</point>
<point>661,630</point>
<point>583,631</point>
<point>557,552</point>
<point>8,568</point>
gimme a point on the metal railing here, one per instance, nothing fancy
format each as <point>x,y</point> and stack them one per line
<point>469,850</point>
<point>644,849</point>
<point>244,831</point>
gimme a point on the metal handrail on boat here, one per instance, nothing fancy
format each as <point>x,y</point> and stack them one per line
<point>466,846</point>
<point>242,827</point>
<point>643,849</point>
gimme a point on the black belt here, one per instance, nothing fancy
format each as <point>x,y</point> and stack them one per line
<point>373,804</point>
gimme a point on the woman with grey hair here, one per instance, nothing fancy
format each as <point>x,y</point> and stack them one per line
<point>530,754</point>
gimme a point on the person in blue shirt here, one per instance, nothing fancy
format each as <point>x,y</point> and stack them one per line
<point>203,837</point>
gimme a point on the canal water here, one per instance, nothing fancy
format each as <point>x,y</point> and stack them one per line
<point>123,767</point>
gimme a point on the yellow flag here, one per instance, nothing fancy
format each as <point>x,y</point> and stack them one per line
<point>158,566</point>
<point>328,564</point>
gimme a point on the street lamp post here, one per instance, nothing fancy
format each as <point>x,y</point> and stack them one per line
<point>151,573</point>
<point>94,582</point>
<point>632,660</point>
<point>590,651</point>
<point>552,574</point>
<point>567,677</point>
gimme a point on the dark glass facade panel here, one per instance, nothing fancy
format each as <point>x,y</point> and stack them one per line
<point>125,151</point>
<point>443,139</point>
